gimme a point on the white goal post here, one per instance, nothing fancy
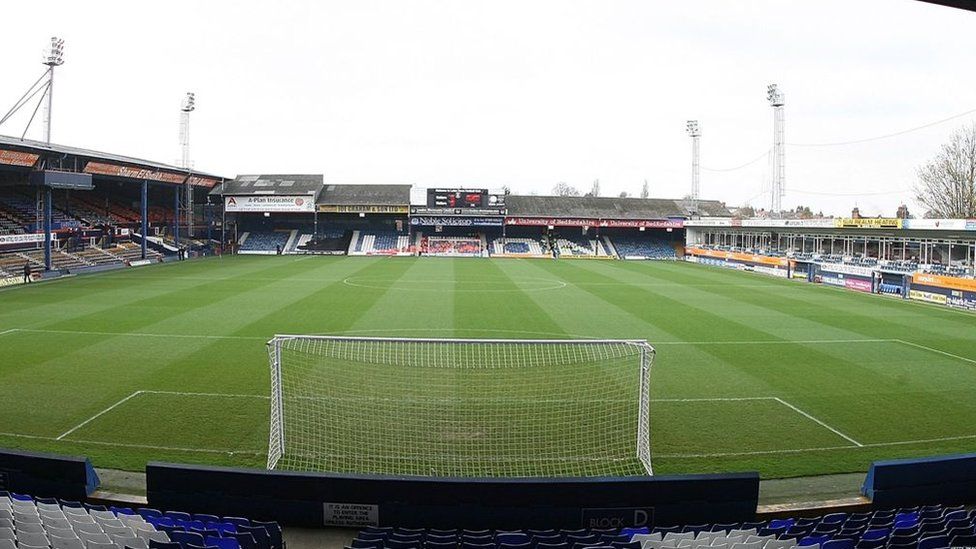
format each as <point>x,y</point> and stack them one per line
<point>460,407</point>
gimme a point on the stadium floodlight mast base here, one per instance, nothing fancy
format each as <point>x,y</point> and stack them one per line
<point>460,407</point>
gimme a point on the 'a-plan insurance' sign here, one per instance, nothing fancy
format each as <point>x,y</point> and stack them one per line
<point>288,204</point>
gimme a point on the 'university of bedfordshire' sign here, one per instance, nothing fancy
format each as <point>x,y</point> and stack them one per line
<point>269,203</point>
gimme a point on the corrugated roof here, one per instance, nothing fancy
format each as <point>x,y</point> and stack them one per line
<point>365,195</point>
<point>272,184</point>
<point>607,207</point>
<point>41,147</point>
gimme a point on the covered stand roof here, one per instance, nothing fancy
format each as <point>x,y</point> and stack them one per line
<point>272,185</point>
<point>363,195</point>
<point>608,207</point>
<point>64,157</point>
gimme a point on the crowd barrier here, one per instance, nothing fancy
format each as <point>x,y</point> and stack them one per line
<point>312,499</point>
<point>47,475</point>
<point>922,481</point>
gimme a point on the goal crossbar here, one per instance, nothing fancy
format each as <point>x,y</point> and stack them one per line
<point>460,407</point>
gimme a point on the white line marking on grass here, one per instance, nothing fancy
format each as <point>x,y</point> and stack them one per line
<point>815,420</point>
<point>96,416</point>
<point>128,445</point>
<point>139,334</point>
<point>218,395</point>
<point>817,448</point>
<point>10,331</point>
<point>774,341</point>
<point>266,397</point>
<point>930,349</point>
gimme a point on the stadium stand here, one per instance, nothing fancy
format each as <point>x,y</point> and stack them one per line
<point>42,523</point>
<point>517,246</point>
<point>378,241</point>
<point>929,527</point>
<point>580,247</point>
<point>629,247</point>
<point>264,241</point>
<point>451,246</point>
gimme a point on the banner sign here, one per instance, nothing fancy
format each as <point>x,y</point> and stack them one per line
<point>855,270</point>
<point>858,284</point>
<point>868,223</point>
<point>949,282</point>
<point>119,170</point>
<point>6,239</point>
<point>737,256</point>
<point>424,221</point>
<point>200,181</point>
<point>269,203</point>
<point>929,297</point>
<point>595,222</point>
<point>17,158</point>
<point>423,210</point>
<point>371,209</point>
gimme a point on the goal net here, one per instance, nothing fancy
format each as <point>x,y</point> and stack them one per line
<point>453,407</point>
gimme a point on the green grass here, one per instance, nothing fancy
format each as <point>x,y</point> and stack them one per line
<point>829,366</point>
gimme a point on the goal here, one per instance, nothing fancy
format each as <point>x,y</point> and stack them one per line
<point>460,407</point>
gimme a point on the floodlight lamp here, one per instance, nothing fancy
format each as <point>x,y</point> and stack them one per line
<point>55,54</point>
<point>189,102</point>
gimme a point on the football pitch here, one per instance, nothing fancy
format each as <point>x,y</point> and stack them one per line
<point>169,362</point>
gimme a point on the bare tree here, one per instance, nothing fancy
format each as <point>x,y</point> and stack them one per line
<point>564,189</point>
<point>623,194</point>
<point>947,183</point>
<point>596,188</point>
<point>645,191</point>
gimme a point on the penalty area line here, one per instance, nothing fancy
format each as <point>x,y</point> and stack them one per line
<point>98,415</point>
<point>818,422</point>
<point>929,349</point>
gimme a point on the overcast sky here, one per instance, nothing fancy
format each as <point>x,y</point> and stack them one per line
<point>520,93</point>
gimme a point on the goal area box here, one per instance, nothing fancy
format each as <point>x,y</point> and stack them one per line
<point>460,407</point>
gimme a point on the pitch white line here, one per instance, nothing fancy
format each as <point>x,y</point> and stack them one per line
<point>139,334</point>
<point>930,349</point>
<point>775,342</point>
<point>142,446</point>
<point>96,416</point>
<point>266,397</point>
<point>218,395</point>
<point>816,448</point>
<point>10,331</point>
<point>821,423</point>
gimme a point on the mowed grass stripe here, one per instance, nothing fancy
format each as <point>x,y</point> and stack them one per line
<point>822,376</point>
<point>894,394</point>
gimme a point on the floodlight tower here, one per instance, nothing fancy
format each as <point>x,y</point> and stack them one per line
<point>694,131</point>
<point>53,57</point>
<point>188,105</point>
<point>777,99</point>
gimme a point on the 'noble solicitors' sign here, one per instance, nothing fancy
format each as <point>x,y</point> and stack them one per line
<point>269,204</point>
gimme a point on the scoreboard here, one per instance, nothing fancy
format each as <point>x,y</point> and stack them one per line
<point>464,199</point>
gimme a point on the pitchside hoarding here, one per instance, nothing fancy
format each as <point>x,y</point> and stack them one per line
<point>7,239</point>
<point>950,291</point>
<point>268,203</point>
